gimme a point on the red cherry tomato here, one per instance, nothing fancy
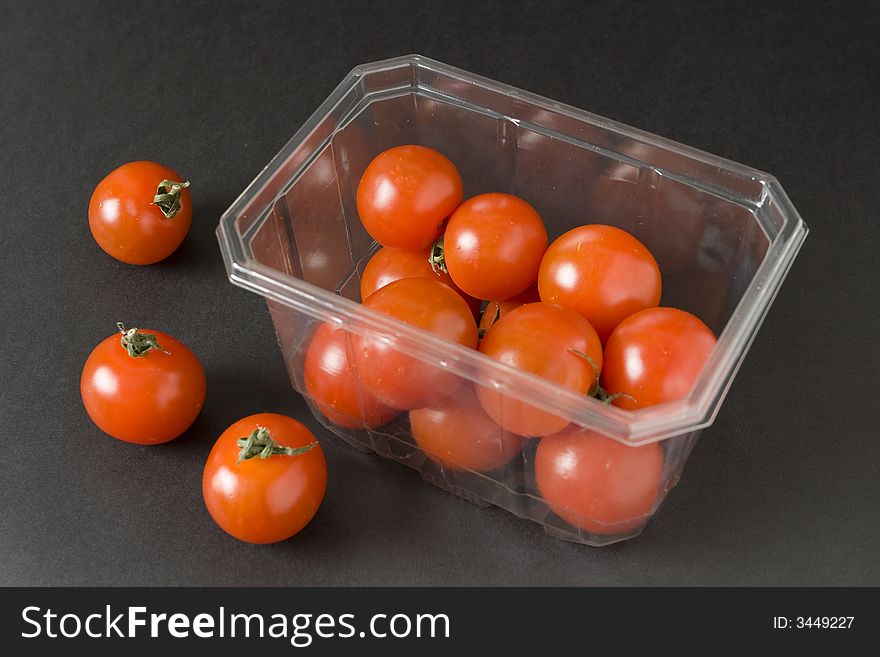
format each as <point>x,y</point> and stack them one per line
<point>602,273</point>
<point>389,265</point>
<point>493,246</point>
<point>598,484</point>
<point>142,386</point>
<point>546,340</point>
<point>134,219</point>
<point>495,310</point>
<point>655,356</point>
<point>333,384</point>
<point>396,379</point>
<point>264,478</point>
<point>406,195</point>
<point>457,434</point>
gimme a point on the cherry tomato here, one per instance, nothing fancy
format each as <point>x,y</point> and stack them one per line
<point>406,195</point>
<point>553,342</point>
<point>140,212</point>
<point>396,379</point>
<point>333,384</point>
<point>457,434</point>
<point>142,386</point>
<point>495,310</point>
<point>655,356</point>
<point>389,265</point>
<point>264,478</point>
<point>601,272</point>
<point>598,484</point>
<point>493,246</point>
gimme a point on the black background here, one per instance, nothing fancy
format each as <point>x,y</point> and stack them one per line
<point>783,489</point>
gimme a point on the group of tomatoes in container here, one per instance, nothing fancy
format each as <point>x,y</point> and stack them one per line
<point>582,312</point>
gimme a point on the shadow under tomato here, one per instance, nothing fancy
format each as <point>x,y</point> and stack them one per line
<point>200,251</point>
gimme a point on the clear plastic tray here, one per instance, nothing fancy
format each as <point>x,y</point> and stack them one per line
<point>723,234</point>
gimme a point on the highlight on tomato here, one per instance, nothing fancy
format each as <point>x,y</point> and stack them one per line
<point>602,273</point>
<point>264,479</point>
<point>549,341</point>
<point>142,386</point>
<point>493,245</point>
<point>140,212</point>
<point>459,435</point>
<point>597,484</point>
<point>333,384</point>
<point>655,356</point>
<point>406,195</point>
<point>399,380</point>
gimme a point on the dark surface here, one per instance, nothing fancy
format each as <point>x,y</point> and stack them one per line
<point>783,489</point>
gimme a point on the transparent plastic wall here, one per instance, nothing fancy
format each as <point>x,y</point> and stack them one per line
<point>723,235</point>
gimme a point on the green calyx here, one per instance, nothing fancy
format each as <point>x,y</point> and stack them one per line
<point>437,258</point>
<point>603,396</point>
<point>260,444</point>
<point>136,343</point>
<point>167,197</point>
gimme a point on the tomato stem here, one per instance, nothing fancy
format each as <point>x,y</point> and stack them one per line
<point>260,444</point>
<point>167,197</point>
<point>605,398</point>
<point>592,392</point>
<point>136,343</point>
<point>437,256</point>
<point>596,390</point>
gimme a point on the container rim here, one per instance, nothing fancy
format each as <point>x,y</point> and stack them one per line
<point>691,413</point>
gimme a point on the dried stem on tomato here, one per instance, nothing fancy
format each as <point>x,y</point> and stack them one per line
<point>260,444</point>
<point>597,390</point>
<point>437,258</point>
<point>137,343</point>
<point>167,197</point>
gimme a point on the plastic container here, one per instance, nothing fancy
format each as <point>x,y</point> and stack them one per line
<point>724,236</point>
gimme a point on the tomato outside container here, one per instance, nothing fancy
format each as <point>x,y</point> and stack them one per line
<point>724,235</point>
